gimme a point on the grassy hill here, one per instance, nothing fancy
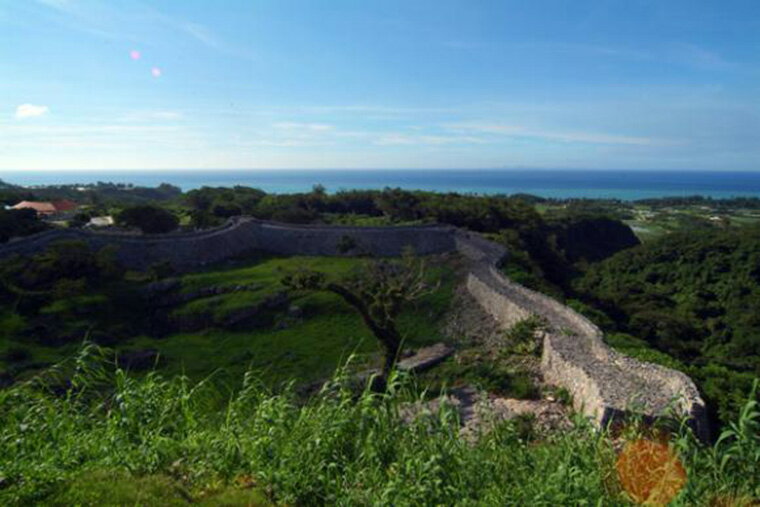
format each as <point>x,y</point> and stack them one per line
<point>303,348</point>
<point>303,339</point>
<point>106,438</point>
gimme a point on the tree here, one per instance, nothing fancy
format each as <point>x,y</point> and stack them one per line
<point>379,292</point>
<point>19,222</point>
<point>149,219</point>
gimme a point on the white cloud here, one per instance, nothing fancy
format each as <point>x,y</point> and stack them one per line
<point>31,110</point>
<point>150,116</point>
<point>396,139</point>
<point>564,136</point>
<point>311,127</point>
<point>202,34</point>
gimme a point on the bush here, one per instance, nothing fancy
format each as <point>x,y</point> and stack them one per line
<point>149,219</point>
<point>19,222</point>
<point>521,337</point>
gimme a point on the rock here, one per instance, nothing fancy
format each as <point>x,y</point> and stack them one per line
<point>295,312</point>
<point>426,358</point>
<point>480,412</point>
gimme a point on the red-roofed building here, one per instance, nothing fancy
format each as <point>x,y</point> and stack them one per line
<point>48,208</point>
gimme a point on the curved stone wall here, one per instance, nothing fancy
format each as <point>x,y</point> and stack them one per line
<point>243,235</point>
<point>604,383</point>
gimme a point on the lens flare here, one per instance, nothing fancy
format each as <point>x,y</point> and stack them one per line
<point>156,72</point>
<point>134,54</point>
<point>650,472</point>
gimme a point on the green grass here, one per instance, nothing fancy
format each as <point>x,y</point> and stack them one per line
<point>305,349</point>
<point>113,439</point>
<point>267,271</point>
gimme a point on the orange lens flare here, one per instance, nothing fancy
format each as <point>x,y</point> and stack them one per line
<point>650,472</point>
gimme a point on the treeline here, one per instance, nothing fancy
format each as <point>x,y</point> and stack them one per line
<point>657,202</point>
<point>545,251</point>
<point>92,194</point>
<point>700,200</point>
<point>695,297</point>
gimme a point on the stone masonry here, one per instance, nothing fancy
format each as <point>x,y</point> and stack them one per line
<point>605,385</point>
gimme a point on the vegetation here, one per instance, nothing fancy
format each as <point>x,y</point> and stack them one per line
<point>148,218</point>
<point>684,300</point>
<point>379,293</point>
<point>21,222</point>
<point>108,438</point>
<point>694,298</point>
<point>58,298</point>
<point>90,194</point>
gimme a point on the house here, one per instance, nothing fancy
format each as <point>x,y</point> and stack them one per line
<point>48,209</point>
<point>104,221</point>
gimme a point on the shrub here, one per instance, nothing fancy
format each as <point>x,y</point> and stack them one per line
<point>149,219</point>
<point>521,338</point>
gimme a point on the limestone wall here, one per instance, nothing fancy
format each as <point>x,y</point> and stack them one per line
<point>243,235</point>
<point>604,384</point>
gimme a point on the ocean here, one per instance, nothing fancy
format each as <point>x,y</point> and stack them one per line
<point>618,184</point>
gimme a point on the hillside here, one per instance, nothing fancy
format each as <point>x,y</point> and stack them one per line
<point>109,439</point>
<point>219,321</point>
<point>694,297</point>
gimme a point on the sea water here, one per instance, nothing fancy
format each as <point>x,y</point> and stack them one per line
<point>559,183</point>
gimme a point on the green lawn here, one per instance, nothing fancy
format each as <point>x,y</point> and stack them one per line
<point>302,349</point>
<point>282,348</point>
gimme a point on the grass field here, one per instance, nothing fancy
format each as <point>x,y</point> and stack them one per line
<point>305,348</point>
<point>112,439</point>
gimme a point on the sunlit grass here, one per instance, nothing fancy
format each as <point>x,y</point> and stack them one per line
<point>109,438</point>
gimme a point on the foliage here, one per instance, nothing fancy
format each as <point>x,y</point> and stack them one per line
<point>148,218</point>
<point>521,337</point>
<point>378,292</point>
<point>487,375</point>
<point>168,441</point>
<point>19,222</point>
<point>48,319</point>
<point>91,194</point>
<point>694,298</point>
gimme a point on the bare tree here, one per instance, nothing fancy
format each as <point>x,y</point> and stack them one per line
<point>378,291</point>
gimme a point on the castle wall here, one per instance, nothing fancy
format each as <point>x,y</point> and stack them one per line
<point>241,236</point>
<point>604,384</point>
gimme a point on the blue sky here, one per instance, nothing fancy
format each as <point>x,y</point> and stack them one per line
<point>629,84</point>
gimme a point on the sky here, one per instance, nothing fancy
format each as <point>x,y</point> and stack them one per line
<point>200,84</point>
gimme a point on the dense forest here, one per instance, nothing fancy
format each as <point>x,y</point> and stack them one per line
<point>695,297</point>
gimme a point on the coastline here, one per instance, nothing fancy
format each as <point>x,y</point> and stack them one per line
<point>549,183</point>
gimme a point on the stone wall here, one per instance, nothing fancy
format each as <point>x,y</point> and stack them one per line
<point>244,235</point>
<point>604,384</point>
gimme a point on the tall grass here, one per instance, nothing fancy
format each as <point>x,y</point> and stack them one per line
<point>89,433</point>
